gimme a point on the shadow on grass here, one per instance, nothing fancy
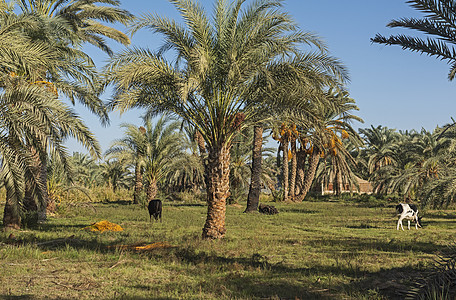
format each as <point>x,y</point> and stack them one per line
<point>254,277</point>
<point>59,227</point>
<point>119,202</point>
<point>450,217</point>
<point>186,204</point>
<point>298,210</point>
<point>355,244</point>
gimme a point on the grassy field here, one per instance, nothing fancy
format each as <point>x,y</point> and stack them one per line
<point>311,250</point>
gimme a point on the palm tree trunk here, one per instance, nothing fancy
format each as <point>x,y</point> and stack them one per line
<point>138,183</point>
<point>285,170</point>
<point>294,166</point>
<point>255,182</point>
<point>152,190</point>
<point>11,217</point>
<point>39,173</point>
<point>301,156</point>
<point>218,185</point>
<point>46,203</point>
<point>338,182</point>
<point>310,174</point>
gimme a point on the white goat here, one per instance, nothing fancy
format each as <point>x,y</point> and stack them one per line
<point>408,212</point>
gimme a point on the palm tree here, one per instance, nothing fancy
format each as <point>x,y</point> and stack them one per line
<point>115,171</point>
<point>30,116</point>
<point>186,171</point>
<point>64,26</point>
<point>382,152</point>
<point>253,198</point>
<point>85,171</point>
<point>150,149</point>
<point>27,119</point>
<point>219,60</point>
<point>133,145</point>
<point>322,136</point>
<point>439,23</point>
<point>77,20</point>
<point>163,145</point>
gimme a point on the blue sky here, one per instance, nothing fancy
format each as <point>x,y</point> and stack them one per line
<point>392,87</point>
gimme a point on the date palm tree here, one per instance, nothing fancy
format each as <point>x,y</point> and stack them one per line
<point>150,149</point>
<point>76,21</point>
<point>322,136</point>
<point>186,171</point>
<point>163,145</point>
<point>439,23</point>
<point>64,26</point>
<point>218,60</point>
<point>133,145</point>
<point>382,152</point>
<point>31,114</point>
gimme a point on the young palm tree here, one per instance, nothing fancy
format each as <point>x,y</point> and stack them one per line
<point>163,145</point>
<point>85,170</point>
<point>150,149</point>
<point>439,23</point>
<point>115,171</point>
<point>133,145</point>
<point>218,61</point>
<point>382,152</point>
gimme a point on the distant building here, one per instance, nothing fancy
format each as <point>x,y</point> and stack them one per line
<point>365,187</point>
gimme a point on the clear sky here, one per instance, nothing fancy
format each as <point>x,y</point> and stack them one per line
<point>392,87</point>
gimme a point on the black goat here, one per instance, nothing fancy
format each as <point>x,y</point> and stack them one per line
<point>155,209</point>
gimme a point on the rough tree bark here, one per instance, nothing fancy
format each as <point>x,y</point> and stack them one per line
<point>138,182</point>
<point>294,165</point>
<point>310,174</point>
<point>151,190</point>
<point>301,156</point>
<point>255,182</point>
<point>218,185</point>
<point>285,170</point>
<point>11,217</point>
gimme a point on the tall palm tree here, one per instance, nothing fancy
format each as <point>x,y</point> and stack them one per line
<point>322,136</point>
<point>65,25</point>
<point>253,198</point>
<point>218,60</point>
<point>29,116</point>
<point>439,23</point>
<point>80,20</point>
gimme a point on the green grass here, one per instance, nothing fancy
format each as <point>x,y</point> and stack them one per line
<point>311,250</point>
